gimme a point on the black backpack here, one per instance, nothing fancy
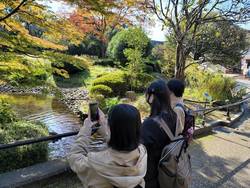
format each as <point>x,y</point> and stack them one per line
<point>189,122</point>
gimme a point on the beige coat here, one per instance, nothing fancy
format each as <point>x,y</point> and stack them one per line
<point>108,168</point>
<point>179,112</point>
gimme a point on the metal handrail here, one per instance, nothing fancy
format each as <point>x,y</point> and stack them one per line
<point>63,135</point>
<point>223,106</point>
<point>37,140</point>
<point>193,101</point>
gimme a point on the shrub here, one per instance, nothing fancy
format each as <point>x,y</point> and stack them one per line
<point>104,103</point>
<point>90,46</point>
<point>142,105</point>
<point>133,38</point>
<point>220,87</point>
<point>22,156</point>
<point>216,85</point>
<point>6,113</point>
<point>105,62</point>
<point>115,80</point>
<point>68,63</point>
<point>100,89</point>
<point>144,80</point>
<point>110,102</point>
<point>25,71</point>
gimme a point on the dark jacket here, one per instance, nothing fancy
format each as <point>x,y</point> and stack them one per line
<point>154,138</point>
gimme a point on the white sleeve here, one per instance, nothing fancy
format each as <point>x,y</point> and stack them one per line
<point>180,119</point>
<point>77,156</point>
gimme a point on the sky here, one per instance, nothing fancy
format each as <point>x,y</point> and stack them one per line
<point>155,32</point>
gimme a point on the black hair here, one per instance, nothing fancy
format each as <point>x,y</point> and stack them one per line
<point>177,87</point>
<point>124,121</point>
<point>161,102</point>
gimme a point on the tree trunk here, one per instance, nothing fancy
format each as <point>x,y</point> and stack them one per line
<point>103,50</point>
<point>180,62</point>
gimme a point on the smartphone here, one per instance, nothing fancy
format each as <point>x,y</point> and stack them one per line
<point>94,113</point>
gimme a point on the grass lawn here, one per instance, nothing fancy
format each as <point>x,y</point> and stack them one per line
<point>96,71</point>
<point>84,78</point>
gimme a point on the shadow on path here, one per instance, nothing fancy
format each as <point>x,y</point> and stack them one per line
<point>222,159</point>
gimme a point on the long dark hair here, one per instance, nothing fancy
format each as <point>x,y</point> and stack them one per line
<point>161,99</point>
<point>124,121</point>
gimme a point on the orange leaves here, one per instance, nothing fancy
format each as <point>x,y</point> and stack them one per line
<point>115,14</point>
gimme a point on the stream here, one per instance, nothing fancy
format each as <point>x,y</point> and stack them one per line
<point>50,111</point>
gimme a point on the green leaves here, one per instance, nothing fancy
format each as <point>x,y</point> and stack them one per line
<point>132,38</point>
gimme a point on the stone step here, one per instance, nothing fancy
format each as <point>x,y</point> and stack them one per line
<point>33,173</point>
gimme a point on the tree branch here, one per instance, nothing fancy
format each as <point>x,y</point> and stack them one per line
<point>13,11</point>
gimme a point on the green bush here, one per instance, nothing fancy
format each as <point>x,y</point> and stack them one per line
<point>90,46</point>
<point>133,38</point>
<point>105,62</point>
<point>104,103</point>
<point>110,102</point>
<point>11,130</point>
<point>6,113</point>
<point>115,80</point>
<point>101,89</point>
<point>216,85</point>
<point>22,156</point>
<point>220,87</point>
<point>142,105</point>
<point>22,70</point>
<point>143,80</point>
<point>65,65</point>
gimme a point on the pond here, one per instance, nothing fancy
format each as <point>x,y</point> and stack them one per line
<point>52,112</point>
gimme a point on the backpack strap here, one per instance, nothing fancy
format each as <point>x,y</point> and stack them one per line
<point>165,127</point>
<point>181,106</point>
<point>138,186</point>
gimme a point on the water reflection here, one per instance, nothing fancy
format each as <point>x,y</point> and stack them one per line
<point>50,111</point>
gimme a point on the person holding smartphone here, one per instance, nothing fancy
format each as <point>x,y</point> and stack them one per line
<point>124,163</point>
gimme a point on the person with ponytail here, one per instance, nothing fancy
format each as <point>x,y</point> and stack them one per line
<point>153,136</point>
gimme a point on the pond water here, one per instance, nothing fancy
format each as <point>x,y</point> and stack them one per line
<point>51,112</point>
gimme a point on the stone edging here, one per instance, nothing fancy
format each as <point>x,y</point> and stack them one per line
<point>33,173</point>
<point>18,90</point>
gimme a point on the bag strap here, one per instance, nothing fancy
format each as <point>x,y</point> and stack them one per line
<point>181,106</point>
<point>138,186</point>
<point>165,127</point>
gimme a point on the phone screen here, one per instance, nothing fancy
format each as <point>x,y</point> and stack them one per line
<point>94,115</point>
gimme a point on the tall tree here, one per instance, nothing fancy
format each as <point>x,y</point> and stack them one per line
<point>221,43</point>
<point>33,27</point>
<point>184,17</point>
<point>115,14</point>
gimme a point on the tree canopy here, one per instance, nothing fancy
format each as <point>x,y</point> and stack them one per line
<point>33,27</point>
<point>132,38</point>
<point>115,15</point>
<point>183,19</point>
<point>220,43</point>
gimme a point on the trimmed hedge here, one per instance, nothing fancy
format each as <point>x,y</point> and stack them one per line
<point>101,89</point>
<point>116,81</point>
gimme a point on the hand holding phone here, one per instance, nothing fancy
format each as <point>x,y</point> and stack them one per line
<point>93,111</point>
<point>94,116</point>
